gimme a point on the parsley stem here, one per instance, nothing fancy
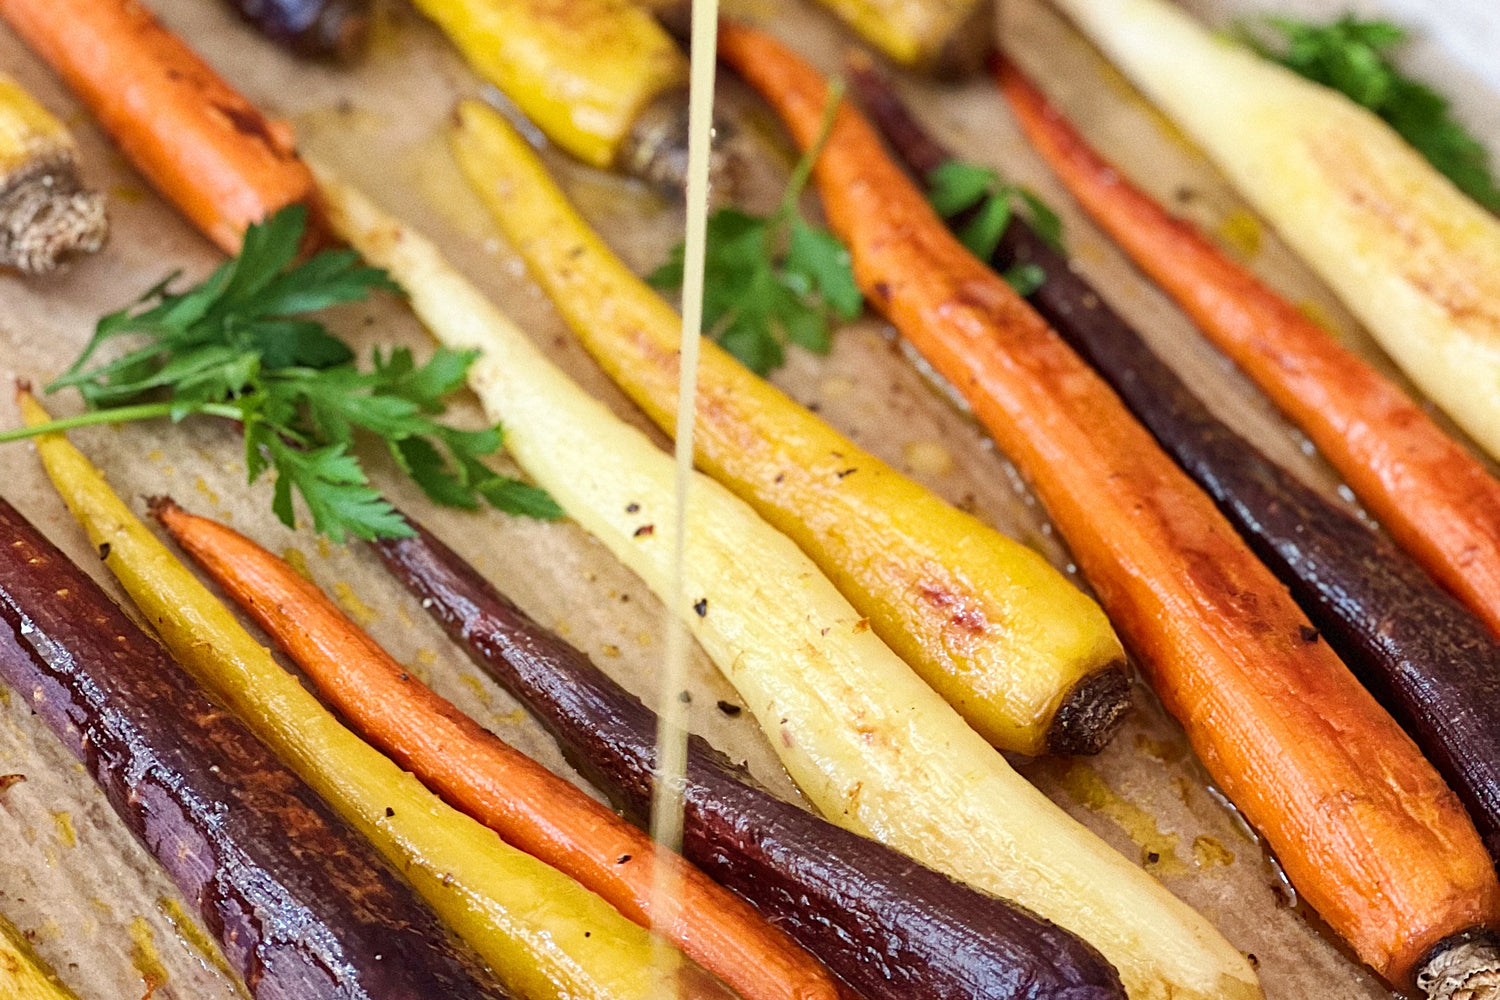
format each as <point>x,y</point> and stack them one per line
<point>803,170</point>
<point>117,415</point>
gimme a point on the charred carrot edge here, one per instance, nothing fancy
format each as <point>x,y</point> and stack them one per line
<point>1426,657</point>
<point>1279,721</point>
<point>1431,494</point>
<point>476,772</point>
<point>197,140</point>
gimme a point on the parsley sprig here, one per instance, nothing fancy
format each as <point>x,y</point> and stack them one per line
<point>1351,56</point>
<point>988,202</point>
<point>239,346</point>
<point>770,280</point>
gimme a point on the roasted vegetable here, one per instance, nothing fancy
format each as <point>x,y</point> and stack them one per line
<point>1427,490</point>
<point>45,214</point>
<point>529,806</point>
<point>302,905</point>
<point>600,77</point>
<point>334,28</point>
<point>872,746</point>
<point>544,935</point>
<point>892,928</point>
<point>1027,659</point>
<point>1277,719</point>
<point>1433,664</point>
<point>23,974</point>
<point>201,144</point>
<point>1413,258</point>
<point>946,37</point>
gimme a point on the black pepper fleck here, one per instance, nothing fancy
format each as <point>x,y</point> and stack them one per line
<point>701,607</point>
<point>103,550</point>
<point>729,708</point>
<point>622,859</point>
<point>631,508</point>
<point>389,812</point>
<point>1309,634</point>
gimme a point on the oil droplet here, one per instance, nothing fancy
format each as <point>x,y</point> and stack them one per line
<point>157,456</point>
<point>1158,850</point>
<point>202,487</point>
<point>1166,751</point>
<point>187,929</point>
<point>1240,230</point>
<point>353,606</point>
<point>66,835</point>
<point>1208,851</point>
<point>837,387</point>
<point>1121,85</point>
<point>323,548</point>
<point>144,957</point>
<point>295,559</point>
<point>1315,312</point>
<point>927,458</point>
<point>477,686</point>
<point>128,193</point>
<point>426,657</point>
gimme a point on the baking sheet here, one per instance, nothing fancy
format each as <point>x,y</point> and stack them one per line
<point>93,901</point>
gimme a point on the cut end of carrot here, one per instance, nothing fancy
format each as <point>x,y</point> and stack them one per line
<point>1466,970</point>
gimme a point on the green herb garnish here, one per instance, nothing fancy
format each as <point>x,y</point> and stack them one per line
<point>1350,55</point>
<point>769,280</point>
<point>239,346</point>
<point>957,188</point>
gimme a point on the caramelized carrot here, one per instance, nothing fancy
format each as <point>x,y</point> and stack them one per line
<point>529,806</point>
<point>1361,822</point>
<point>205,147</point>
<point>1432,495</point>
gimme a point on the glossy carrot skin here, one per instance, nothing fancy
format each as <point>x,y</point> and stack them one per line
<point>1363,825</point>
<point>198,141</point>
<point>304,907</point>
<point>1429,660</point>
<point>1434,497</point>
<point>529,806</point>
<point>893,928</point>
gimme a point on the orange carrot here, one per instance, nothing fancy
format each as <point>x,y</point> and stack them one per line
<point>1431,494</point>
<point>203,145</point>
<point>475,772</point>
<point>1361,822</point>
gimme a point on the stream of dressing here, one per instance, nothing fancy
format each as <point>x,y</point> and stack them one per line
<point>671,734</point>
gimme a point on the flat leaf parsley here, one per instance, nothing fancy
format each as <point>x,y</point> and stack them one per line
<point>772,279</point>
<point>987,203</point>
<point>238,346</point>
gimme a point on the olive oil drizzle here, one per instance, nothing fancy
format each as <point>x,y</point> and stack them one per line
<point>671,739</point>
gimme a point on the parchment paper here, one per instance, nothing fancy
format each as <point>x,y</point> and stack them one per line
<point>94,902</point>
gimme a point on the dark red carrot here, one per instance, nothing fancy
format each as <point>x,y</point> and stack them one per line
<point>892,928</point>
<point>1432,495</point>
<point>1279,721</point>
<point>1428,659</point>
<point>529,806</point>
<point>303,907</point>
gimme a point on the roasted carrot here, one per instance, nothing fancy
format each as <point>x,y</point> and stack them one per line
<point>1363,825</point>
<point>1430,493</point>
<point>205,147</point>
<point>476,772</point>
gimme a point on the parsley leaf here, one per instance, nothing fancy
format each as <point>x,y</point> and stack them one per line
<point>986,203</point>
<point>236,346</point>
<point>1350,55</point>
<point>772,280</point>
